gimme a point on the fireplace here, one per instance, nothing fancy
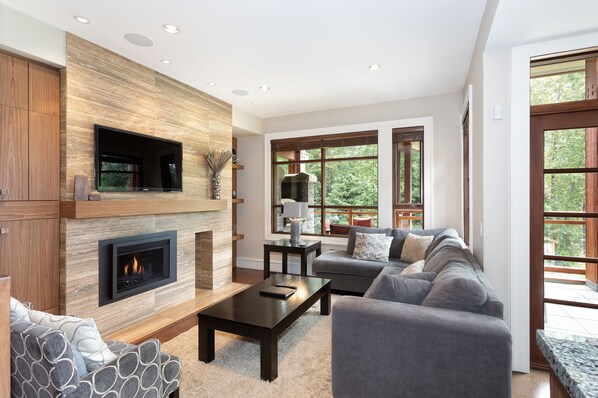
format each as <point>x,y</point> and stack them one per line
<point>135,264</point>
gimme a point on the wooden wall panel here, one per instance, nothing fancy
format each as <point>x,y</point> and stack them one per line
<point>13,81</point>
<point>44,156</point>
<point>13,153</point>
<point>43,245</point>
<point>44,90</point>
<point>14,261</point>
<point>120,93</point>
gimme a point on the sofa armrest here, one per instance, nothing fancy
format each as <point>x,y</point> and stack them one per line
<point>135,373</point>
<point>41,359</point>
<point>383,348</point>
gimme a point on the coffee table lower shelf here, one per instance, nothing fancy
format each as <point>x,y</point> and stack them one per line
<point>256,323</point>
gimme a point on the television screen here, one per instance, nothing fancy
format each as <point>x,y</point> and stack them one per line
<point>127,161</point>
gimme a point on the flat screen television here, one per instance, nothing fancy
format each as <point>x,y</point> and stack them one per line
<point>128,161</point>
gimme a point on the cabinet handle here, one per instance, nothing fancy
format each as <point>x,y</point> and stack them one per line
<point>4,231</point>
<point>4,191</point>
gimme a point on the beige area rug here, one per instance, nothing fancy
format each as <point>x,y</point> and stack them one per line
<point>303,362</point>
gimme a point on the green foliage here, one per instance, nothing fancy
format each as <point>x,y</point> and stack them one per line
<point>558,88</point>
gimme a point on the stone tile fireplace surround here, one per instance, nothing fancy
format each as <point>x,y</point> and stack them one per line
<point>100,87</point>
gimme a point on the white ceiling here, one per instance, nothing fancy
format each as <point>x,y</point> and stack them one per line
<point>519,22</point>
<point>314,54</point>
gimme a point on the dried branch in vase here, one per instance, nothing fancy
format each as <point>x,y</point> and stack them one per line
<point>217,160</point>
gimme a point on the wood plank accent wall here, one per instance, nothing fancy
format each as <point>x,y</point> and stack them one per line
<point>101,87</point>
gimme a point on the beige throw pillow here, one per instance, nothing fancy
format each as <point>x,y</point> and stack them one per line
<point>414,268</point>
<point>415,247</point>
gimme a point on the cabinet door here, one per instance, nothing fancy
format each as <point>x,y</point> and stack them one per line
<point>13,81</point>
<point>30,256</point>
<point>44,90</point>
<point>14,159</point>
<point>44,157</point>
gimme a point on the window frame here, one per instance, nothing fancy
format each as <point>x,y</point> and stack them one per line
<point>322,142</point>
<point>408,135</point>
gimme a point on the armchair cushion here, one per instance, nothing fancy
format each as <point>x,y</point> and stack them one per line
<point>82,334</point>
<point>18,310</point>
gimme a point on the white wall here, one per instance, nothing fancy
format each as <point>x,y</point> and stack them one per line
<point>31,38</point>
<point>442,115</point>
<point>475,78</point>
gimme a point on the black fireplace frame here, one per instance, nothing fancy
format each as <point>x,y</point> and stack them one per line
<point>107,265</point>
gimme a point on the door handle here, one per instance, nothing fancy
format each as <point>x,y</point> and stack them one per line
<point>4,191</point>
<point>4,231</point>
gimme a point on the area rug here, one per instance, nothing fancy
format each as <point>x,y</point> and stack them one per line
<point>303,362</point>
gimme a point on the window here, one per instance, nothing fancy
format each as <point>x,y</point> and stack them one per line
<point>337,175</point>
<point>408,193</point>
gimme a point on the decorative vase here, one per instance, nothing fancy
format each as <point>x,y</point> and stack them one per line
<point>216,185</point>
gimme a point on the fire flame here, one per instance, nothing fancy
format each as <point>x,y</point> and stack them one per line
<point>135,269</point>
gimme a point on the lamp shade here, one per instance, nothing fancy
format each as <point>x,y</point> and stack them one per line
<point>295,210</point>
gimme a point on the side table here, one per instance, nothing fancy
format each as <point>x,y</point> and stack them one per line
<point>285,247</point>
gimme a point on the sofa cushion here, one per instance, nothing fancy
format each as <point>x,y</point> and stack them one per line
<point>339,262</point>
<point>413,268</point>
<point>83,335</point>
<point>399,236</point>
<point>447,233</point>
<point>415,247</point>
<point>365,230</point>
<point>18,310</point>
<point>373,247</point>
<point>449,250</point>
<point>400,289</point>
<point>493,306</point>
<point>457,288</point>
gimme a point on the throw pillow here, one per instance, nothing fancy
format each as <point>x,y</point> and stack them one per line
<point>415,247</point>
<point>83,335</point>
<point>400,289</point>
<point>365,230</point>
<point>374,247</point>
<point>457,287</point>
<point>416,267</point>
<point>18,310</point>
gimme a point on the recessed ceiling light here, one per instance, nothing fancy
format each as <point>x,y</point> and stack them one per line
<point>165,61</point>
<point>81,19</point>
<point>139,40</point>
<point>240,92</point>
<point>248,102</point>
<point>211,83</point>
<point>170,29</point>
<point>375,66</point>
<point>264,87</point>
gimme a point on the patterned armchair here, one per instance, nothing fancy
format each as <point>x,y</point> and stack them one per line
<point>42,365</point>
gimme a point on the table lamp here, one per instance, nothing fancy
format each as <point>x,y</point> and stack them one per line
<point>296,211</point>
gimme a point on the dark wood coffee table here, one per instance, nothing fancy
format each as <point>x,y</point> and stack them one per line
<point>264,318</point>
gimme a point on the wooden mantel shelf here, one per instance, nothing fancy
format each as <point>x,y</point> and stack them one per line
<point>125,208</point>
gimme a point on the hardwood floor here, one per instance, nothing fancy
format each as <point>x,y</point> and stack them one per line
<point>247,276</point>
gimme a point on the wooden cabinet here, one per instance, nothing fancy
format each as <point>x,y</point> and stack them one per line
<point>30,178</point>
<point>14,153</point>
<point>30,255</point>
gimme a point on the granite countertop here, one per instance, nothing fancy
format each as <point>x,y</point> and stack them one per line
<point>573,359</point>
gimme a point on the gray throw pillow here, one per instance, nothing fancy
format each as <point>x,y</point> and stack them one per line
<point>457,287</point>
<point>400,289</point>
<point>365,230</point>
<point>79,362</point>
<point>373,247</point>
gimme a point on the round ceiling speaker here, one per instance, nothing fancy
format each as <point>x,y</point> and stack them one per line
<point>139,40</point>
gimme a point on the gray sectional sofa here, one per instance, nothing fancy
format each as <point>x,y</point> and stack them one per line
<point>447,340</point>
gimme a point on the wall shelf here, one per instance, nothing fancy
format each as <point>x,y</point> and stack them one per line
<point>237,201</point>
<point>238,237</point>
<point>125,208</point>
<point>238,166</point>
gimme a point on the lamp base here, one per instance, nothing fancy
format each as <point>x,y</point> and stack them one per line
<point>295,230</point>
